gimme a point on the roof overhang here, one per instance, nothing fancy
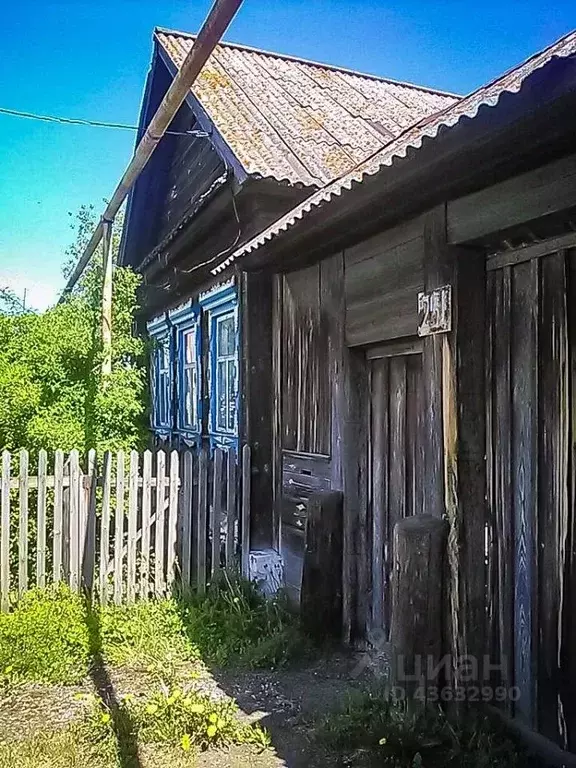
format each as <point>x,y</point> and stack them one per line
<point>518,130</point>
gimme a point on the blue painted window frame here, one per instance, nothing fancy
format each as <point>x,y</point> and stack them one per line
<point>186,320</point>
<point>219,305</point>
<point>162,378</point>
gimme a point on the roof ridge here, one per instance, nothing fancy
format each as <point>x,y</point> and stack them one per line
<point>310,62</point>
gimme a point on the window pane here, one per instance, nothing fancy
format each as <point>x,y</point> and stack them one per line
<point>189,397</point>
<point>225,336</point>
<point>221,390</point>
<point>190,346</point>
<point>231,394</point>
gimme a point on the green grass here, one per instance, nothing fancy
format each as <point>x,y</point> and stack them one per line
<point>403,737</point>
<point>234,625</point>
<point>45,639</point>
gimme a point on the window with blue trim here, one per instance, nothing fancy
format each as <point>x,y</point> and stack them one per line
<point>221,306</point>
<point>186,321</point>
<point>161,379</point>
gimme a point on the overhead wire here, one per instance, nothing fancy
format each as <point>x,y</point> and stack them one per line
<point>90,123</point>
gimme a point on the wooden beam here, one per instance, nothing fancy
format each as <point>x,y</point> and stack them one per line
<point>546,190</point>
<point>528,252</point>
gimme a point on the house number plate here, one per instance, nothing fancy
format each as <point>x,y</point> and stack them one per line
<point>435,311</point>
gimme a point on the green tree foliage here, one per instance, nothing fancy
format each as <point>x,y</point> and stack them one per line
<point>52,394</point>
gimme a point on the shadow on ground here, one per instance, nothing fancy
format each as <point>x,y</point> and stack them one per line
<point>126,742</point>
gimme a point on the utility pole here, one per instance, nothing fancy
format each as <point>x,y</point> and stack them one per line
<point>107,298</point>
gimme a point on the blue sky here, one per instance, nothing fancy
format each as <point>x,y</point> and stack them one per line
<point>89,58</point>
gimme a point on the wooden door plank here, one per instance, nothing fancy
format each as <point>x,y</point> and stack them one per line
<point>380,397</point>
<point>525,291</point>
<point>553,509</point>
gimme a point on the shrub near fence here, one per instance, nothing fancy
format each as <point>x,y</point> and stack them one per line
<point>126,527</point>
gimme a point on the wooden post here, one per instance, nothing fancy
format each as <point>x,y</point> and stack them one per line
<point>417,601</point>
<point>321,594</point>
<point>5,534</point>
<point>107,298</point>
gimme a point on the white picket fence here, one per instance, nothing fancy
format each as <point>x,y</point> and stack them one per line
<point>123,527</point>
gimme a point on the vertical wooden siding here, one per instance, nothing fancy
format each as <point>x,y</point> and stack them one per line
<point>532,514</point>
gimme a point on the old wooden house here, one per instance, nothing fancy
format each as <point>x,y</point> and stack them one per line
<point>373,285</point>
<point>423,360</point>
<point>259,133</point>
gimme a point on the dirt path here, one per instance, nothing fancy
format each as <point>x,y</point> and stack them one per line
<point>287,702</point>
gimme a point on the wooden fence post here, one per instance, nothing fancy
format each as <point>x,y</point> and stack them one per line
<point>146,511</point>
<point>172,518</point>
<point>105,526</point>
<point>74,520</point>
<point>231,512</point>
<point>159,581</point>
<point>132,527</point>
<point>216,516</point>
<point>5,534</point>
<point>245,519</point>
<point>119,528</point>
<point>58,512</point>
<point>88,534</point>
<point>417,601</point>
<point>41,521</point>
<point>187,492</point>
<point>23,525</point>
<point>201,522</point>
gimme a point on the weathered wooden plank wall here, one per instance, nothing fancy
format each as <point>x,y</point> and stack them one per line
<point>530,357</point>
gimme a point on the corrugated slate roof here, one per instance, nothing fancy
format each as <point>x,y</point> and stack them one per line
<point>412,139</point>
<point>299,121</point>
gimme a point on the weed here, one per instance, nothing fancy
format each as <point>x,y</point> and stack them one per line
<point>147,634</point>
<point>45,638</point>
<point>233,624</point>
<point>178,716</point>
<point>405,738</point>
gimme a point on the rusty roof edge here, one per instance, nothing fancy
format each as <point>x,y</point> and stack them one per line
<point>310,62</point>
<point>397,149</point>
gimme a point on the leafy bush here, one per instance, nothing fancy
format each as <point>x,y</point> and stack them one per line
<point>51,392</point>
<point>45,638</point>
<point>234,624</point>
<point>405,737</point>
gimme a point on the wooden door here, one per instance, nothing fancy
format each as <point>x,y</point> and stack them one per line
<point>396,458</point>
<point>531,470</point>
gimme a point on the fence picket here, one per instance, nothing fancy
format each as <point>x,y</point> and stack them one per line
<point>172,518</point>
<point>245,514</point>
<point>132,526</point>
<point>201,522</point>
<point>74,520</point>
<point>146,507</point>
<point>23,523</point>
<point>159,529</point>
<point>231,508</point>
<point>5,534</point>
<point>105,526</point>
<point>89,520</point>
<point>58,497</point>
<point>216,511</point>
<point>119,528</point>
<point>187,494</point>
<point>41,520</point>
